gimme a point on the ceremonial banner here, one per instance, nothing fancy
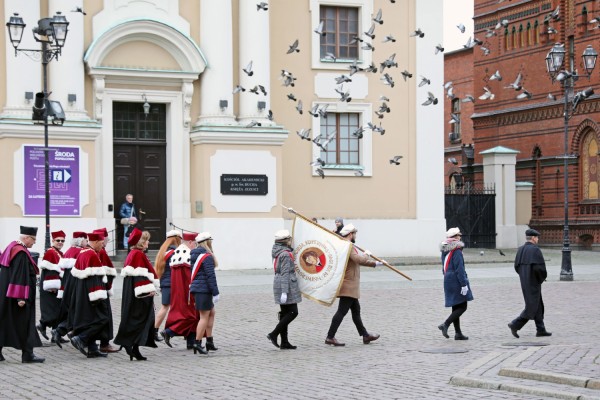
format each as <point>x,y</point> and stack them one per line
<point>320,258</point>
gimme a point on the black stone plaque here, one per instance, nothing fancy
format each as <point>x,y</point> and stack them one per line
<point>241,184</point>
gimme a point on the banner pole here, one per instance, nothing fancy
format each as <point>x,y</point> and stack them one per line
<point>291,210</point>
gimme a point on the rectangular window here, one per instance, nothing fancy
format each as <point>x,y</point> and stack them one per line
<point>340,27</point>
<point>343,149</point>
<point>130,122</point>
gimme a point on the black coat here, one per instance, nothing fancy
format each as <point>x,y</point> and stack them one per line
<point>530,265</point>
<point>17,324</point>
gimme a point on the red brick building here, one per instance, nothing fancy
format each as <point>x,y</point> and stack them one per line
<point>534,123</point>
<point>458,75</point>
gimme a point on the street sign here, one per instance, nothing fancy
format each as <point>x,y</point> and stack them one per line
<point>60,175</point>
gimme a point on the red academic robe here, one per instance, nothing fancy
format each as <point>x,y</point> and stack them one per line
<point>183,317</point>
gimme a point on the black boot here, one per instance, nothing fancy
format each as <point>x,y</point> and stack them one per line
<point>135,352</point>
<point>1,356</point>
<point>198,347</point>
<point>157,337</point>
<point>166,337</point>
<point>444,328</point>
<point>210,345</point>
<point>460,336</point>
<point>285,344</point>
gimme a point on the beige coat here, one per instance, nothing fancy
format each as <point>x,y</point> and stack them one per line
<point>351,284</point>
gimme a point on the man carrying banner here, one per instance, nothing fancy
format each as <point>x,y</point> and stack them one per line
<point>350,291</point>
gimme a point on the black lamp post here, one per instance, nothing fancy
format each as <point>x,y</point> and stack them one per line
<point>554,65</point>
<point>51,33</point>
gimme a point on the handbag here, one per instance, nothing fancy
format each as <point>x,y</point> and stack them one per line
<point>124,221</point>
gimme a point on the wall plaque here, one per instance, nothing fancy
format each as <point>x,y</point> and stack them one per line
<point>244,184</point>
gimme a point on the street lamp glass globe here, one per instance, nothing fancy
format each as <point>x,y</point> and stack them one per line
<point>557,56</point>
<point>589,59</point>
<point>59,26</point>
<point>15,27</point>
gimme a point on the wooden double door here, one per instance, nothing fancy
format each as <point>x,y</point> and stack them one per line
<point>139,154</point>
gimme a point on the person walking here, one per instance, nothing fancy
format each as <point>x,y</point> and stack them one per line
<point>457,291</point>
<point>50,281</point>
<point>18,273</point>
<point>205,240</point>
<point>285,288</point>
<point>140,284</point>
<point>531,267</point>
<point>339,225</point>
<point>205,291</point>
<point>129,216</point>
<point>111,273</point>
<point>182,319</point>
<point>163,271</point>
<point>350,291</point>
<point>89,315</point>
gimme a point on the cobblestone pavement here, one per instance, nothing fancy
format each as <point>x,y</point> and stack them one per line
<point>411,360</point>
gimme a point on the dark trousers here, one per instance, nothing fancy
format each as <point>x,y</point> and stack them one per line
<point>454,317</point>
<point>288,313</point>
<point>521,320</point>
<point>347,304</point>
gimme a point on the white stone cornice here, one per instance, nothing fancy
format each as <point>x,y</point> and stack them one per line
<point>24,130</point>
<point>214,134</point>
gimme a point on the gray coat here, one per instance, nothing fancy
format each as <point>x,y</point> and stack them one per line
<point>285,280</point>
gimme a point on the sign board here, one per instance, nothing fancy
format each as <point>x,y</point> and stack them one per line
<point>64,181</point>
<point>244,184</point>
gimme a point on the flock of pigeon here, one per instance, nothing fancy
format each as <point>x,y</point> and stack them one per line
<point>366,42</point>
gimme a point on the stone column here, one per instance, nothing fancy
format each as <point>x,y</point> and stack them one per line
<point>499,170</point>
<point>22,73</point>
<point>66,75</point>
<point>254,46</point>
<point>216,42</point>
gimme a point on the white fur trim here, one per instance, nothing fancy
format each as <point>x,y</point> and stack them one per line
<point>89,271</point>
<point>59,294</point>
<point>51,284</point>
<point>133,271</point>
<point>67,263</point>
<point>180,256</point>
<point>45,264</point>
<point>104,279</point>
<point>156,282</point>
<point>98,295</point>
<point>111,293</point>
<point>110,271</point>
<point>144,289</point>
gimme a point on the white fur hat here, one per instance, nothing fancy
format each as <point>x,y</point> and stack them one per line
<point>282,235</point>
<point>348,229</point>
<point>173,233</point>
<point>202,236</point>
<point>452,232</point>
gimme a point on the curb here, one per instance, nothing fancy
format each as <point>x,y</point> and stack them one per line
<point>562,379</point>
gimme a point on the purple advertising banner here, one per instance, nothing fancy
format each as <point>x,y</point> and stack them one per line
<point>64,181</point>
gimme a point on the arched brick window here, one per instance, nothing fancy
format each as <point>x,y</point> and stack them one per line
<point>522,35</point>
<point>515,42</point>
<point>590,164</point>
<point>529,35</point>
<point>536,29</point>
<point>506,39</point>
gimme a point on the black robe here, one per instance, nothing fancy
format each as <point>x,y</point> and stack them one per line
<point>89,314</point>
<point>137,303</point>
<point>530,265</point>
<point>17,324</point>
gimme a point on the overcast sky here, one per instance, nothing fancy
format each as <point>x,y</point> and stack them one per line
<point>456,12</point>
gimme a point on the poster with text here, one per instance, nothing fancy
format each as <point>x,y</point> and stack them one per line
<point>64,181</point>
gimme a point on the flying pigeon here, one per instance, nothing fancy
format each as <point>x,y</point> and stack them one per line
<point>367,46</point>
<point>304,134</point>
<point>496,76</point>
<point>501,252</point>
<point>79,10</point>
<point>291,97</point>
<point>318,161</point>
<point>439,49</point>
<point>454,118</point>
<point>424,81</point>
<point>262,6</point>
<point>323,110</point>
<point>321,173</point>
<point>406,75</point>
<point>395,160</point>
<point>461,27</point>
<point>293,47</point>
<point>516,84</point>
<point>299,106</point>
<point>319,30</point>
<point>487,94</point>
<point>330,57</point>
<point>387,80</point>
<point>384,98</point>
<point>388,38</point>
<point>551,97</point>
<point>342,79</point>
<point>431,99</point>
<point>452,160</point>
<point>389,63</point>
<point>344,96</point>
<point>314,111</point>
<point>253,123</point>
<point>238,89</point>
<point>525,94</point>
<point>359,173</point>
<point>371,32</point>
<point>371,68</point>
<point>503,23</point>
<point>378,18</point>
<point>384,108</point>
<point>359,132</point>
<point>418,33</point>
<point>270,115</point>
<point>375,128</point>
<point>248,69</point>
<point>490,33</point>
<point>468,98</point>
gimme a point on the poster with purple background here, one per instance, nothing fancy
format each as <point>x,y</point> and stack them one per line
<point>64,181</point>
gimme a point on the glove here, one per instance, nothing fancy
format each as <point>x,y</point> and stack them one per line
<point>368,253</point>
<point>283,298</point>
<point>464,290</point>
<point>290,209</point>
<point>378,263</point>
<point>216,299</point>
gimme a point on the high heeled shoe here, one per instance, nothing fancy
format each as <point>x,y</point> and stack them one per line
<point>135,352</point>
<point>210,344</point>
<point>199,348</point>
<point>128,351</point>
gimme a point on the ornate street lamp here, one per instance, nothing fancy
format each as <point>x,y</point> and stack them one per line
<point>51,33</point>
<point>554,65</point>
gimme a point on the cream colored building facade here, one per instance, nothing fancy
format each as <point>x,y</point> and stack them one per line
<point>186,56</point>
